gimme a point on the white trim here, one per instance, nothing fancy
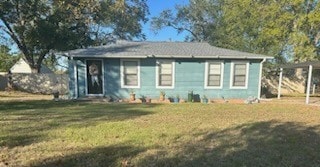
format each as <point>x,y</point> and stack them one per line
<point>260,77</point>
<point>280,83</point>
<point>207,72</point>
<point>232,73</point>
<point>157,73</point>
<point>122,71</point>
<point>109,56</point>
<point>309,84</point>
<point>211,56</point>
<point>173,56</point>
<point>86,77</point>
<point>75,72</point>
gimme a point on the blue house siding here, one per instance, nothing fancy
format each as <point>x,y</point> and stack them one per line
<point>189,75</point>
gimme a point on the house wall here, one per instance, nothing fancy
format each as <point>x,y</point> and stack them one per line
<point>189,75</point>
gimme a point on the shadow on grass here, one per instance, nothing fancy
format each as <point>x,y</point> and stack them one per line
<point>269,143</point>
<point>117,155</point>
<point>257,144</point>
<point>29,122</point>
<point>17,106</point>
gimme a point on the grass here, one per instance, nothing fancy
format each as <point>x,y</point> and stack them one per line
<point>46,133</point>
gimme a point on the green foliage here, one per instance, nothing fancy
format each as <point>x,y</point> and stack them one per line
<point>196,18</point>
<point>286,29</point>
<point>7,60</point>
<point>39,27</point>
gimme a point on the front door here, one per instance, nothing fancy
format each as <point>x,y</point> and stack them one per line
<point>94,77</point>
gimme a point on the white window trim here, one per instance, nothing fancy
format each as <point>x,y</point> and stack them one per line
<point>157,74</point>
<point>122,76</point>
<point>207,72</point>
<point>86,77</point>
<point>232,73</point>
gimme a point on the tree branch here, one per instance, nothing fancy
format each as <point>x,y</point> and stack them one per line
<point>12,34</point>
<point>186,29</point>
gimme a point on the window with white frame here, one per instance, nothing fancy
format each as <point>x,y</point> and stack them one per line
<point>239,74</point>
<point>214,74</point>
<point>130,73</point>
<point>165,74</point>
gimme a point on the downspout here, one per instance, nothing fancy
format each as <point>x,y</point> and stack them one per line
<point>260,77</point>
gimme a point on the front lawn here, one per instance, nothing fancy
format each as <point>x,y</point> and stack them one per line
<point>46,133</point>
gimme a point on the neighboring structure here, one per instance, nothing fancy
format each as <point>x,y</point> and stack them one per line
<point>22,66</point>
<point>310,65</point>
<point>3,81</point>
<point>21,78</point>
<point>174,67</point>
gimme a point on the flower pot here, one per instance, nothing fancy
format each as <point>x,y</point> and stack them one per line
<point>176,100</point>
<point>190,96</point>
<point>204,100</point>
<point>132,97</point>
<point>161,98</point>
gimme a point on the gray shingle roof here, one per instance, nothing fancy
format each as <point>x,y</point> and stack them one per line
<point>126,49</point>
<point>315,64</point>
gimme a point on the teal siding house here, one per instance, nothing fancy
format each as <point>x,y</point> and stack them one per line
<point>176,68</point>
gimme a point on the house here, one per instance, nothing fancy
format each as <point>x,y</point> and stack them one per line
<point>174,67</point>
<point>21,66</point>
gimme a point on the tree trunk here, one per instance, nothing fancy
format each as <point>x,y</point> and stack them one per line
<point>35,69</point>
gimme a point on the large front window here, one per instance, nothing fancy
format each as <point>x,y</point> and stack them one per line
<point>165,74</point>
<point>130,73</point>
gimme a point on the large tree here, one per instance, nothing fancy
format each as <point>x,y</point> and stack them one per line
<point>197,19</point>
<point>40,27</point>
<point>287,29</point>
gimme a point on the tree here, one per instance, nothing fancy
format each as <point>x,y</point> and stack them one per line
<point>7,60</point>
<point>197,19</point>
<point>40,27</point>
<point>286,29</point>
<point>282,28</point>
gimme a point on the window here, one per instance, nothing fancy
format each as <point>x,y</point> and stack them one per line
<point>214,74</point>
<point>239,74</point>
<point>130,73</point>
<point>165,74</point>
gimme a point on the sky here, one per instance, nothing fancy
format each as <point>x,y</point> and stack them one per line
<point>155,8</point>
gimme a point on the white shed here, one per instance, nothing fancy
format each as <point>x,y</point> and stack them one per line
<point>22,66</point>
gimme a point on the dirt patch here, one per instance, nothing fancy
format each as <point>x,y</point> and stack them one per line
<point>22,96</point>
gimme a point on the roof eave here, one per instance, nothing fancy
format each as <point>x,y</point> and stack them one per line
<point>172,56</point>
<point>108,56</point>
<point>210,57</point>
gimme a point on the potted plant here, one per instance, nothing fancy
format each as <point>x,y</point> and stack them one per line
<point>190,96</point>
<point>148,100</point>
<point>176,99</point>
<point>204,99</point>
<point>132,95</point>
<point>162,95</point>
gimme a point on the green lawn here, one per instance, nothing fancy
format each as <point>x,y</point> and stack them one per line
<point>46,133</point>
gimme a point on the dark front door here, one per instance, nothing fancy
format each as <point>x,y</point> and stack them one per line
<point>94,77</point>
